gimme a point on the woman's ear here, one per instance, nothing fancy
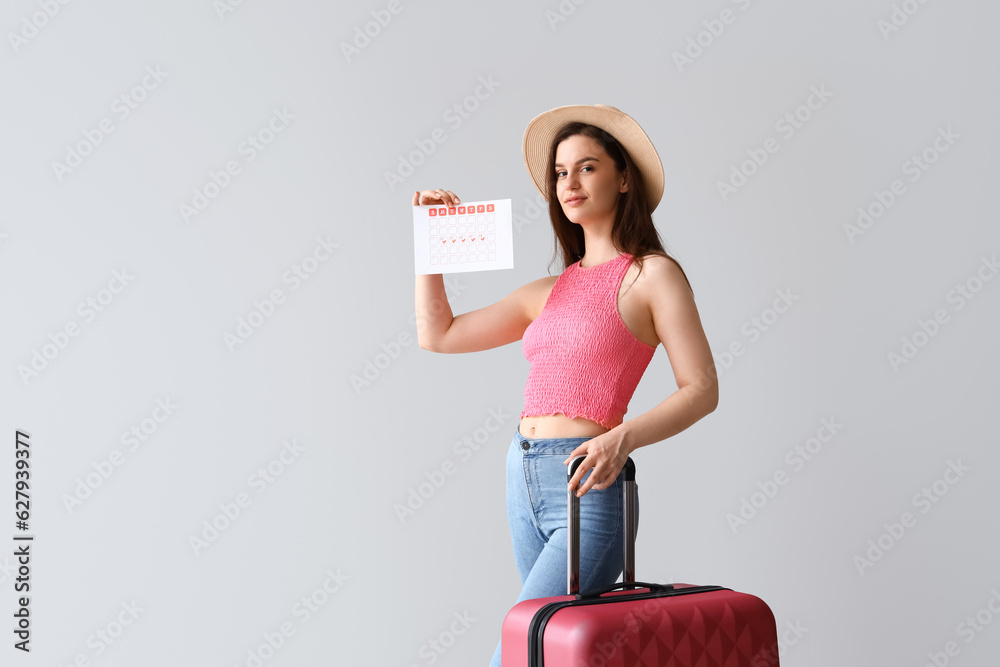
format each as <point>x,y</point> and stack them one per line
<point>624,186</point>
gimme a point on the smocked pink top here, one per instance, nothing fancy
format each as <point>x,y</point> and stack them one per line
<point>584,360</point>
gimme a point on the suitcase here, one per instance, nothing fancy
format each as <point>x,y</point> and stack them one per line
<point>642,625</point>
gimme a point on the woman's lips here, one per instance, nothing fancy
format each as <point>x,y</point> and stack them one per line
<point>576,201</point>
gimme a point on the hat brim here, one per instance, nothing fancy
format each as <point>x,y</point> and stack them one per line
<point>543,128</point>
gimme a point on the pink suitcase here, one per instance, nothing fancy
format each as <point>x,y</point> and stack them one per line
<point>647,625</point>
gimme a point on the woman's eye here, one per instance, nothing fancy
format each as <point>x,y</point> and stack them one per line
<point>560,173</point>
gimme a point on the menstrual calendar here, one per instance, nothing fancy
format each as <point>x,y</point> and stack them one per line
<point>476,236</point>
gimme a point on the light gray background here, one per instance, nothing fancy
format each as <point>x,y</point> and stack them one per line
<point>403,583</point>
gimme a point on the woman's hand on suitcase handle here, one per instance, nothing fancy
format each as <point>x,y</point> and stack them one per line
<point>606,454</point>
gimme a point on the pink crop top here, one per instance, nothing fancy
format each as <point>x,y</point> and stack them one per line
<point>584,360</point>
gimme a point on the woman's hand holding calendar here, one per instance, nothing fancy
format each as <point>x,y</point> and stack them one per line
<point>439,196</point>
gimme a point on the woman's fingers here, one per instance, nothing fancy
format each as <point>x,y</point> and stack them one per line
<point>439,196</point>
<point>449,197</point>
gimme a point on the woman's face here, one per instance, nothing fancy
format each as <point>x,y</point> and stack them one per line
<point>587,181</point>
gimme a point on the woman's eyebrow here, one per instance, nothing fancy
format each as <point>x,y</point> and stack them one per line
<point>581,160</point>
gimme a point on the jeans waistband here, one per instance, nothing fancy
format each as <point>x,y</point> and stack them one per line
<point>547,445</point>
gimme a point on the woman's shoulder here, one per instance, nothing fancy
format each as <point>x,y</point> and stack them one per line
<point>659,266</point>
<point>658,273</point>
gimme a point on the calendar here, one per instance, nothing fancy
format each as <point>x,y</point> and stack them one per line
<point>476,236</point>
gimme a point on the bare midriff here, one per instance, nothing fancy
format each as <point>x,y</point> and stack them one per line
<point>559,426</point>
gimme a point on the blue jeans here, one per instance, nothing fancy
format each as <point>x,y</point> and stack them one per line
<point>536,513</point>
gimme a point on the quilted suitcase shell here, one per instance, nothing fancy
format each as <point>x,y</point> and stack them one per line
<point>649,625</point>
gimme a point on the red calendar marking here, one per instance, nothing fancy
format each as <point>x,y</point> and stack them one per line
<point>441,211</point>
<point>489,208</point>
<point>433,212</point>
<point>451,211</point>
<point>480,208</point>
<point>461,210</point>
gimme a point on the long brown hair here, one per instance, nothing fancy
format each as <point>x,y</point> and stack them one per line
<point>632,231</point>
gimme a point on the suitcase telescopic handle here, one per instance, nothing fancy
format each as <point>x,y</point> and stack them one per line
<point>573,519</point>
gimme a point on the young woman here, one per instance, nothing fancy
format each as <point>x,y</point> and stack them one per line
<point>589,334</point>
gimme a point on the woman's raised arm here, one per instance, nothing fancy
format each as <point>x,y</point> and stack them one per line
<point>503,322</point>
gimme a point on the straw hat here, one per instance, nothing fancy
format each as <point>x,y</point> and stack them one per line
<point>543,128</point>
